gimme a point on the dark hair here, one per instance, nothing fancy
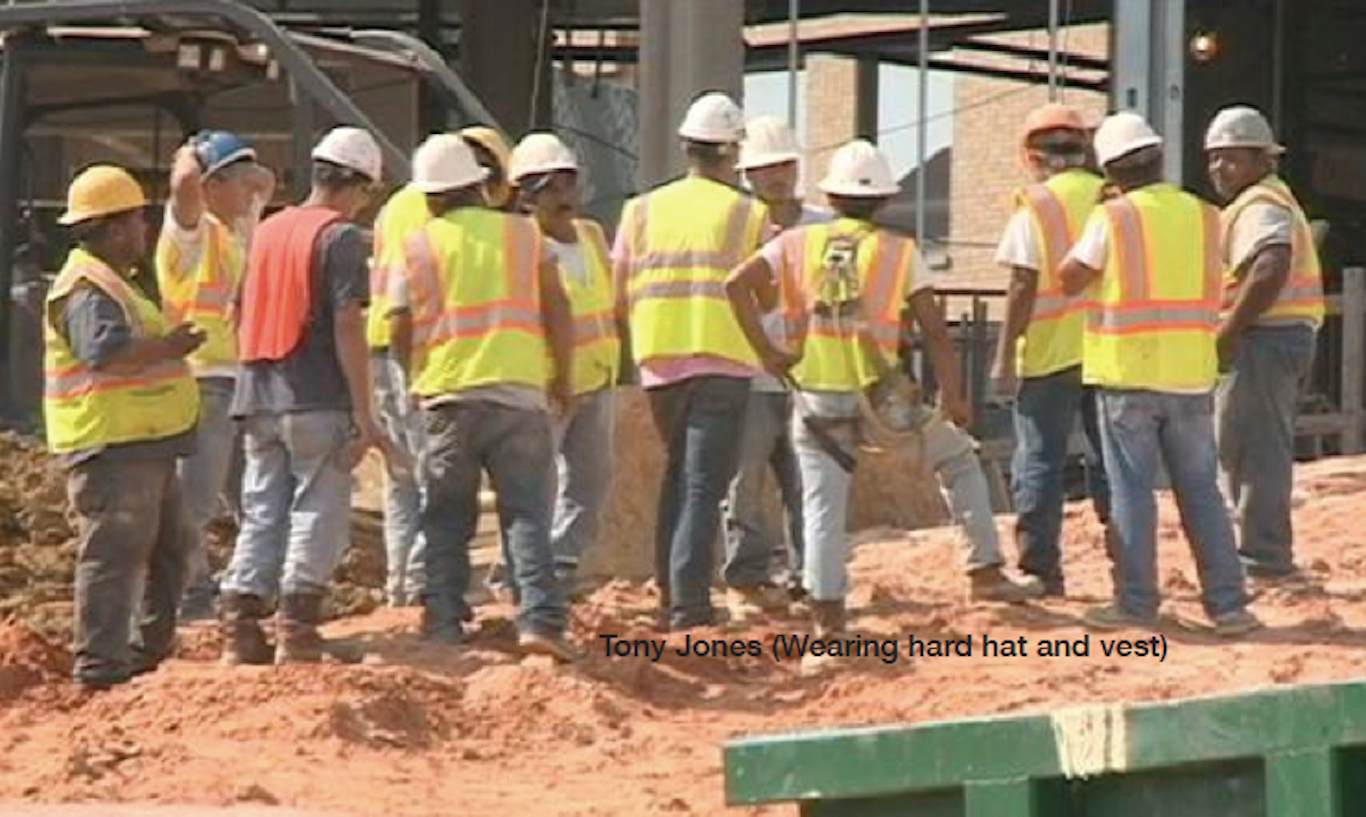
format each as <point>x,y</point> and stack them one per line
<point>335,178</point>
<point>859,207</point>
<point>1142,167</point>
<point>707,154</point>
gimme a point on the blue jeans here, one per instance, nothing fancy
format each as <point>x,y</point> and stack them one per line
<point>583,469</point>
<point>204,474</point>
<point>296,504</point>
<point>699,420</point>
<point>765,442</point>
<point>514,446</point>
<point>1256,403</point>
<point>1137,427</point>
<point>404,544</point>
<point>1045,413</point>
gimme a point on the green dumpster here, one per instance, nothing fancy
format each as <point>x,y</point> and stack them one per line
<point>1289,752</point>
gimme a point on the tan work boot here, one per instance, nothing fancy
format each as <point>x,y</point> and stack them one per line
<point>297,638</point>
<point>992,584</point>
<point>244,642</point>
<point>556,646</point>
<point>755,601</point>
<point>829,621</point>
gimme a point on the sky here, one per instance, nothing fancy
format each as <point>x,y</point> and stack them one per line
<point>898,91</point>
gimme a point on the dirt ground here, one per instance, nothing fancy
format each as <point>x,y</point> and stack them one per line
<point>419,730</point>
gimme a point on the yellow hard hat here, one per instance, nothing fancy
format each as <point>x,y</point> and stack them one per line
<point>493,141</point>
<point>101,190</point>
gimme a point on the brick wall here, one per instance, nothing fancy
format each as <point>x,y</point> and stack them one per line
<point>986,166</point>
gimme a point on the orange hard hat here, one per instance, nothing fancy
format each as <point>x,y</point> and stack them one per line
<point>1052,116</point>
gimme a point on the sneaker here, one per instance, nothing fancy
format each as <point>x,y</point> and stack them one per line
<point>992,584</point>
<point>1238,622</point>
<point>556,646</point>
<point>756,601</point>
<point>1114,617</point>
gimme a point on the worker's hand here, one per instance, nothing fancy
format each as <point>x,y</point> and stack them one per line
<point>365,434</point>
<point>185,169</point>
<point>958,408</point>
<point>184,339</point>
<point>1004,382</point>
<point>777,361</point>
<point>561,396</point>
<point>1226,344</point>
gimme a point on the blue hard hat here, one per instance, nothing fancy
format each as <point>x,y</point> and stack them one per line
<point>216,149</point>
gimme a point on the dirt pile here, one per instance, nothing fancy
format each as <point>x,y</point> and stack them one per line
<point>28,660</point>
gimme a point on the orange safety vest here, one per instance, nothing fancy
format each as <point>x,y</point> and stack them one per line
<point>1155,310</point>
<point>1301,298</point>
<point>278,290</point>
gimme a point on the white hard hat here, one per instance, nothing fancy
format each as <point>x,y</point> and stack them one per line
<point>1121,134</point>
<point>713,117</point>
<point>352,148</point>
<point>768,141</point>
<point>859,170</point>
<point>1241,126</point>
<point>445,162</point>
<point>540,153</point>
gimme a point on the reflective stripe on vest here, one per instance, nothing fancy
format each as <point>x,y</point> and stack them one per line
<point>476,302</point>
<point>597,350</point>
<point>1058,208</point>
<point>1156,308</point>
<point>683,240</point>
<point>404,214</point>
<point>833,359</point>
<point>205,293</point>
<point>85,408</point>
<point>1301,298</point>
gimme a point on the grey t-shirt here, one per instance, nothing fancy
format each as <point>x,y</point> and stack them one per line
<point>310,378</point>
<point>95,327</point>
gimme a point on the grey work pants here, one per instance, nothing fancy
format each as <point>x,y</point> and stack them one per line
<point>131,551</point>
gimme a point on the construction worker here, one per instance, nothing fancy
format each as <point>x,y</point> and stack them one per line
<point>303,396</point>
<point>1272,308</point>
<point>121,406</point>
<point>1038,357</point>
<point>404,546</point>
<point>769,159</point>
<point>494,154</point>
<point>218,192</point>
<point>545,173</point>
<point>492,333</point>
<point>1148,262</point>
<point>674,247</point>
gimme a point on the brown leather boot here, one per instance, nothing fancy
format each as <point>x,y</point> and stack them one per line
<point>829,618</point>
<point>244,642</point>
<point>297,638</point>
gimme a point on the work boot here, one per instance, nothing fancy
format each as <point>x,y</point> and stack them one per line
<point>244,642</point>
<point>829,618</point>
<point>992,584</point>
<point>555,645</point>
<point>297,638</point>
<point>441,620</point>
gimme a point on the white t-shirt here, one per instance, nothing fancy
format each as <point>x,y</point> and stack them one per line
<point>1259,226</point>
<point>1093,248</point>
<point>570,257</point>
<point>1019,245</point>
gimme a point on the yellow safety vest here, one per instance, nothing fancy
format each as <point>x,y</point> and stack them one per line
<point>404,214</point>
<point>597,349</point>
<point>1058,208</point>
<point>86,408</point>
<point>473,275</point>
<point>683,239</point>
<point>833,357</point>
<point>1155,311</point>
<point>1301,299</point>
<point>204,294</point>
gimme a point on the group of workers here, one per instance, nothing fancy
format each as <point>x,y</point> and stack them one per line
<point>482,333</point>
